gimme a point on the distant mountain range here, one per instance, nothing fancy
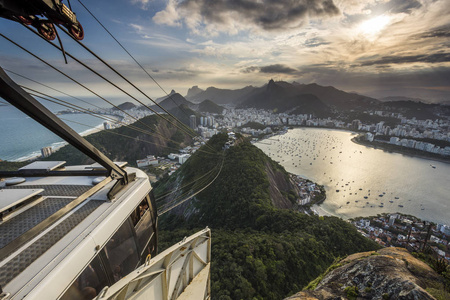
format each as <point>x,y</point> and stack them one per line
<point>321,101</point>
<point>219,96</point>
<point>292,98</point>
<point>285,97</point>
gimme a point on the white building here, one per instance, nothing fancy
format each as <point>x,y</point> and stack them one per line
<point>394,140</point>
<point>46,151</point>
<point>183,157</point>
<point>173,156</point>
<point>149,160</point>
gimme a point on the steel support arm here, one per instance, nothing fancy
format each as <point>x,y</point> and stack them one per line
<point>15,95</point>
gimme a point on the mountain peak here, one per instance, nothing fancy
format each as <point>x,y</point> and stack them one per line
<point>271,84</point>
<point>194,91</point>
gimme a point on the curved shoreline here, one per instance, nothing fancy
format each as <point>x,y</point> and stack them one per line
<point>399,151</point>
<point>377,146</point>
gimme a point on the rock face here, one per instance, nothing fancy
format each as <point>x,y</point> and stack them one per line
<point>389,273</point>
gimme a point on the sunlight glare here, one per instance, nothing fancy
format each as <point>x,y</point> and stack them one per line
<point>374,26</point>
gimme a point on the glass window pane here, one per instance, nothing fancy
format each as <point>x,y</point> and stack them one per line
<point>139,212</point>
<point>121,252</point>
<point>144,230</point>
<point>91,281</point>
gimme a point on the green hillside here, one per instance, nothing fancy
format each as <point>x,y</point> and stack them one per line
<point>259,251</point>
<point>127,144</point>
<point>211,107</point>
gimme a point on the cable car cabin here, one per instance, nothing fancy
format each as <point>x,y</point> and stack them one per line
<point>62,238</point>
<point>53,11</point>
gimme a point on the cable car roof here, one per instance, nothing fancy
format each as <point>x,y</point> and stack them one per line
<point>65,210</point>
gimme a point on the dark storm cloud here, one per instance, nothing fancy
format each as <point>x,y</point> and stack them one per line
<point>267,14</point>
<point>431,58</point>
<point>277,69</point>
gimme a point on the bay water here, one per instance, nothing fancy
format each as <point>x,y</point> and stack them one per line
<point>22,138</point>
<point>360,180</point>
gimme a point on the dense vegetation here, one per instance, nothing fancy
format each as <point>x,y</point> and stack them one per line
<point>259,251</point>
<point>211,107</point>
<point>11,166</point>
<point>254,125</point>
<point>126,144</point>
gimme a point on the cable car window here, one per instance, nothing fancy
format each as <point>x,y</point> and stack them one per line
<point>121,252</point>
<point>89,283</point>
<point>144,229</point>
<point>139,211</point>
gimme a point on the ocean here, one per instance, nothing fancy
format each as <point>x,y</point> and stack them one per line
<point>360,180</point>
<point>22,138</point>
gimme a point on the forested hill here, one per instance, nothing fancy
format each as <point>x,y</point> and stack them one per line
<point>153,137</point>
<point>259,251</point>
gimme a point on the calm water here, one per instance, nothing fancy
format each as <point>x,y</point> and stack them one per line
<point>388,180</point>
<point>21,137</point>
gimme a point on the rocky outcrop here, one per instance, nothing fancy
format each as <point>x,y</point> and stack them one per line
<point>389,273</point>
<point>280,185</point>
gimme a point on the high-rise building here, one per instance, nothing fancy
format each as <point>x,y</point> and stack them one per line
<point>356,124</point>
<point>193,121</point>
<point>46,151</point>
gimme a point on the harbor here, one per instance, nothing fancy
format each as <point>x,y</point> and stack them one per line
<point>362,181</point>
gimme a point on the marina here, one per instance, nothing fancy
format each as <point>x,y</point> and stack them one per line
<point>388,182</point>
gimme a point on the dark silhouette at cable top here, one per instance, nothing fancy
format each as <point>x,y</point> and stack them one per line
<point>43,15</point>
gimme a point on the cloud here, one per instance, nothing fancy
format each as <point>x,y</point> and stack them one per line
<point>232,16</point>
<point>431,58</point>
<point>270,69</point>
<point>142,3</point>
<point>315,42</point>
<point>403,6</point>
<point>169,16</point>
<point>439,32</point>
<point>251,69</point>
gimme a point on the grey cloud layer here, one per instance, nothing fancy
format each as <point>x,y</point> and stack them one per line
<point>266,14</point>
<point>431,58</point>
<point>440,32</point>
<point>403,6</point>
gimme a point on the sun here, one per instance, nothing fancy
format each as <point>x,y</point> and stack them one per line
<point>373,26</point>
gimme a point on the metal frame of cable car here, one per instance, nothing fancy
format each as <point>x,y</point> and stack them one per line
<point>54,12</point>
<point>15,95</point>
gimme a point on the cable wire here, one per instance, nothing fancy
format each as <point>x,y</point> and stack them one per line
<point>189,131</point>
<point>69,77</point>
<point>97,115</point>
<point>164,195</point>
<point>196,193</point>
<point>132,57</point>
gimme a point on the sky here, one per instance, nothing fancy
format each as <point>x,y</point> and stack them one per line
<point>377,48</point>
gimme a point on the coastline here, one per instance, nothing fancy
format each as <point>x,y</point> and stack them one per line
<point>380,146</point>
<point>56,146</point>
